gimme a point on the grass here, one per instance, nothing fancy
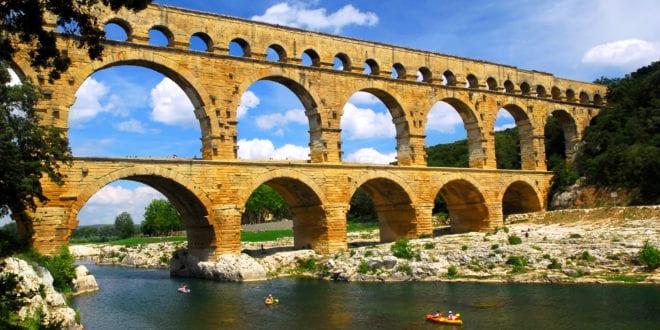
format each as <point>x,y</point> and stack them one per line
<point>627,278</point>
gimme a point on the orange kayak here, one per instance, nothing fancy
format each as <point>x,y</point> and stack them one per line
<point>443,320</point>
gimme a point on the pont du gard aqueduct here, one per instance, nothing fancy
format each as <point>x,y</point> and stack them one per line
<point>210,193</point>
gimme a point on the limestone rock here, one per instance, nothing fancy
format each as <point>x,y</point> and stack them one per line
<point>84,281</point>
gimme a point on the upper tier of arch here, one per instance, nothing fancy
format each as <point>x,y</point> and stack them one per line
<point>256,38</point>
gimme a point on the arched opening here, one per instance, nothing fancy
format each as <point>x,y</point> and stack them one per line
<point>507,140</point>
<point>525,89</point>
<point>362,214</point>
<point>449,78</point>
<point>398,71</point>
<point>570,95</point>
<point>540,91</point>
<point>393,206</point>
<point>598,100</point>
<point>276,53</point>
<point>371,67</point>
<point>239,48</point>
<point>556,93</point>
<point>447,135</point>
<point>273,123</point>
<point>424,75</point>
<point>310,58</point>
<point>466,205</point>
<point>560,129</point>
<point>201,41</point>
<point>118,30</point>
<point>368,132</point>
<point>161,36</point>
<point>131,111</point>
<point>472,82</point>
<point>584,98</point>
<point>518,198</point>
<point>341,62</point>
<point>491,83</point>
<point>509,87</point>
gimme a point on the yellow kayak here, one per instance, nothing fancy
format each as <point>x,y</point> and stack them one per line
<point>443,320</point>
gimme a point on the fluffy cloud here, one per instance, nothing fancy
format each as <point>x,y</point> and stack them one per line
<point>504,120</point>
<point>363,98</point>
<point>88,102</point>
<point>248,101</point>
<point>296,14</point>
<point>630,53</point>
<point>171,106</point>
<point>358,123</point>
<point>443,118</point>
<point>264,149</point>
<point>114,199</point>
<point>131,125</point>
<point>280,121</point>
<point>370,155</point>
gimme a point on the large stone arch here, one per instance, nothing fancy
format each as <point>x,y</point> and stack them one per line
<point>305,200</point>
<point>525,135</point>
<point>570,130</point>
<point>393,201</point>
<point>466,204</point>
<point>473,127</point>
<point>521,197</point>
<point>190,201</point>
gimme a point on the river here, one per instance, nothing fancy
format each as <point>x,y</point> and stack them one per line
<point>131,298</point>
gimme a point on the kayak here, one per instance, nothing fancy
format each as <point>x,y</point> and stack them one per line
<point>443,320</point>
<point>269,301</point>
<point>183,290</point>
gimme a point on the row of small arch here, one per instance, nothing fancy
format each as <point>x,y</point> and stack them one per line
<point>201,41</point>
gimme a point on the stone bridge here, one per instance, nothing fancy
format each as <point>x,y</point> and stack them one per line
<point>323,71</point>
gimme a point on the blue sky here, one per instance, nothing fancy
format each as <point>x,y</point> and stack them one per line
<point>133,111</point>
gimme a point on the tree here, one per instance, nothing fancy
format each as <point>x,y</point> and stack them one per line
<point>22,22</point>
<point>124,227</point>
<point>264,199</point>
<point>28,150</point>
<point>161,217</point>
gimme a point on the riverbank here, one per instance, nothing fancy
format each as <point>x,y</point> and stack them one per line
<point>574,246</point>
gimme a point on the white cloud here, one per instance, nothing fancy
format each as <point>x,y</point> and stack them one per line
<point>248,101</point>
<point>504,120</point>
<point>281,120</point>
<point>623,53</point>
<point>132,125</point>
<point>358,123</point>
<point>88,102</point>
<point>443,118</point>
<point>363,98</point>
<point>112,200</point>
<point>297,14</point>
<point>171,106</point>
<point>370,155</point>
<point>14,80</point>
<point>264,149</point>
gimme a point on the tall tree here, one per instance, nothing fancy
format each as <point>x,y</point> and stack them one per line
<point>124,227</point>
<point>22,21</point>
<point>161,217</point>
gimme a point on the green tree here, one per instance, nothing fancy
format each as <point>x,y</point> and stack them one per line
<point>453,154</point>
<point>29,150</point>
<point>264,199</point>
<point>22,22</point>
<point>362,207</point>
<point>621,146</point>
<point>507,149</point>
<point>124,226</point>
<point>161,217</point>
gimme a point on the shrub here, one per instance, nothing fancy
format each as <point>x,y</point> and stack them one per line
<point>650,255</point>
<point>575,236</point>
<point>513,240</point>
<point>62,268</point>
<point>308,264</point>
<point>554,264</point>
<point>452,272</point>
<point>401,249</point>
<point>518,263</point>
<point>405,268</point>
<point>588,257</point>
<point>363,267</point>
<point>429,245</point>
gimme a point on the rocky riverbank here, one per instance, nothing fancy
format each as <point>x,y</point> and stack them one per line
<point>574,246</point>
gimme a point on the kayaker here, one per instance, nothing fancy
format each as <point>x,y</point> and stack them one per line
<point>437,314</point>
<point>451,316</point>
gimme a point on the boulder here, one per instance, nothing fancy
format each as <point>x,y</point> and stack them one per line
<point>84,281</point>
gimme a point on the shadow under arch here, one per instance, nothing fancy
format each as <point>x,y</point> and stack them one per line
<point>191,203</point>
<point>393,204</point>
<point>520,197</point>
<point>466,205</point>
<point>569,128</point>
<point>477,158</point>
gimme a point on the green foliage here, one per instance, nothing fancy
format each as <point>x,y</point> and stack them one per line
<point>650,256</point>
<point>10,300</point>
<point>514,240</point>
<point>586,256</point>
<point>264,236</point>
<point>405,268</point>
<point>23,22</point>
<point>308,264</point>
<point>29,150</point>
<point>554,264</point>
<point>363,267</point>
<point>621,146</point>
<point>507,149</point>
<point>10,241</point>
<point>627,278</point>
<point>263,201</point>
<point>61,268</point>
<point>574,235</point>
<point>160,218</point>
<point>124,226</point>
<point>518,263</point>
<point>401,249</point>
<point>362,207</point>
<point>449,155</point>
<point>452,272</point>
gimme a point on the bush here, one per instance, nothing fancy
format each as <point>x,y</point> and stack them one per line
<point>62,268</point>
<point>513,240</point>
<point>555,264</point>
<point>401,249</point>
<point>650,256</point>
<point>363,268</point>
<point>452,271</point>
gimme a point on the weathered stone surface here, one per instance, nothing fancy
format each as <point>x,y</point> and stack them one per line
<point>84,281</point>
<point>36,289</point>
